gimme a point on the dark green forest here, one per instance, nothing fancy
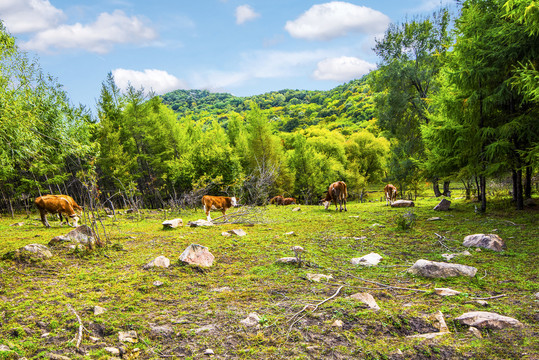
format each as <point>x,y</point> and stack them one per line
<point>453,101</point>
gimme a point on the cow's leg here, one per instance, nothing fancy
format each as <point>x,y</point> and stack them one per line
<point>344,201</point>
<point>44,218</point>
<point>207,210</point>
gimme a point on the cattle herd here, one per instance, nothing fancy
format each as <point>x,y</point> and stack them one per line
<point>337,193</point>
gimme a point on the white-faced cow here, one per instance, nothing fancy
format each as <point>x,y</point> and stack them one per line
<point>58,204</point>
<point>337,193</point>
<point>390,191</point>
<point>222,203</point>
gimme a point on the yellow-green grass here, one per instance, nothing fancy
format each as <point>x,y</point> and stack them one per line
<point>35,296</point>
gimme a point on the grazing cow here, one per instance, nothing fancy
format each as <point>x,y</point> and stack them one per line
<point>57,204</point>
<point>390,192</point>
<point>289,201</point>
<point>277,200</point>
<point>338,193</point>
<point>222,203</point>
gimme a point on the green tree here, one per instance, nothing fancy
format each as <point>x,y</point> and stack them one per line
<point>411,55</point>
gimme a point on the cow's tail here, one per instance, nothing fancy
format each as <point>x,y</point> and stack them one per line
<point>345,191</point>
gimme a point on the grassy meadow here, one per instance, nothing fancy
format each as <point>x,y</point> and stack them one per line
<point>204,307</point>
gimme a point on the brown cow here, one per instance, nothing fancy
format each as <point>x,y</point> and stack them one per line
<point>222,203</point>
<point>277,200</point>
<point>390,192</point>
<point>338,193</point>
<point>289,201</point>
<point>57,204</point>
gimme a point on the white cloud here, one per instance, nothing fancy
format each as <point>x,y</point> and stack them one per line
<point>98,37</point>
<point>335,19</point>
<point>159,81</point>
<point>245,13</point>
<point>343,68</point>
<point>22,16</point>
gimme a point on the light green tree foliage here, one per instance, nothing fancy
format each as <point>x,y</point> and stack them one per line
<point>42,137</point>
<point>265,158</point>
<point>367,160</point>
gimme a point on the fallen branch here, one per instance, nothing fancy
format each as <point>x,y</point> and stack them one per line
<point>78,337</point>
<point>440,241</point>
<point>385,286</point>
<point>312,308</point>
<point>490,297</point>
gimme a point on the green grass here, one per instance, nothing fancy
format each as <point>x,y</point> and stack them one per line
<point>35,296</point>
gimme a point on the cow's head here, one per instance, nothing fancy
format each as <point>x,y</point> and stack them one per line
<point>234,201</point>
<point>326,204</point>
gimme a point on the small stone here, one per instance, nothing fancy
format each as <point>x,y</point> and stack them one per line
<point>222,289</point>
<point>478,250</point>
<point>296,209</point>
<point>252,320</point>
<point>157,283</point>
<point>291,233</point>
<point>537,295</point>
<point>488,320</point>
<point>371,259</point>
<point>172,224</point>
<point>287,260</point>
<point>446,291</point>
<point>318,277</point>
<point>160,261</point>
<point>17,224</point>
<point>337,323</point>
<point>208,352</point>
<point>439,321</point>
<point>237,232</point>
<point>433,269</point>
<point>366,299</point>
<point>487,241</point>
<point>403,203</point>
<point>204,328</point>
<point>98,310</point>
<point>226,233</point>
<point>197,255</point>
<point>475,332</point>
<point>161,330</point>
<point>54,356</point>
<point>443,205</point>
<point>113,351</point>
<point>435,218</point>
<point>128,336</point>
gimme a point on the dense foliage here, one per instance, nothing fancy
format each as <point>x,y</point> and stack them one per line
<point>443,105</point>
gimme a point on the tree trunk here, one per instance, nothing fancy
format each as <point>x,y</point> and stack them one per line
<point>436,188</point>
<point>520,194</point>
<point>447,192</point>
<point>528,183</point>
<point>483,185</point>
<point>478,188</point>
<point>514,192</point>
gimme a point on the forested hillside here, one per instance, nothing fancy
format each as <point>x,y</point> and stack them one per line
<point>344,107</point>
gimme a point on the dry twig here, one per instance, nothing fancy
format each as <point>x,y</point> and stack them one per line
<point>78,337</point>
<point>490,297</point>
<point>385,286</point>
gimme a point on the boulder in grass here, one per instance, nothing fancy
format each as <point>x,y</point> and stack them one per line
<point>446,291</point>
<point>488,320</point>
<point>486,241</point>
<point>371,259</point>
<point>434,269</point>
<point>403,203</point>
<point>287,260</point>
<point>29,253</point>
<point>172,224</point>
<point>196,254</point>
<point>443,205</point>
<point>82,237</point>
<point>160,261</point>
<point>199,223</point>
<point>366,299</point>
<point>237,232</point>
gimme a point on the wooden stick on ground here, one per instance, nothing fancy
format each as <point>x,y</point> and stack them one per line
<point>78,337</point>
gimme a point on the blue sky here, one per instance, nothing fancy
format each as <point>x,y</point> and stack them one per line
<point>241,47</point>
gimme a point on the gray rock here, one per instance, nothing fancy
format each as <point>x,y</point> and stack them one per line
<point>54,356</point>
<point>446,291</point>
<point>200,222</point>
<point>488,320</point>
<point>112,350</point>
<point>296,209</point>
<point>17,224</point>
<point>475,332</point>
<point>196,254</point>
<point>434,218</point>
<point>371,259</point>
<point>204,328</point>
<point>433,269</point>
<point>98,310</point>
<point>237,232</point>
<point>486,241</point>
<point>82,237</point>
<point>366,299</point>
<point>128,336</point>
<point>171,224</point>
<point>38,250</point>
<point>252,320</point>
<point>287,260</point>
<point>160,261</point>
<point>403,203</point>
<point>161,330</point>
<point>443,205</point>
